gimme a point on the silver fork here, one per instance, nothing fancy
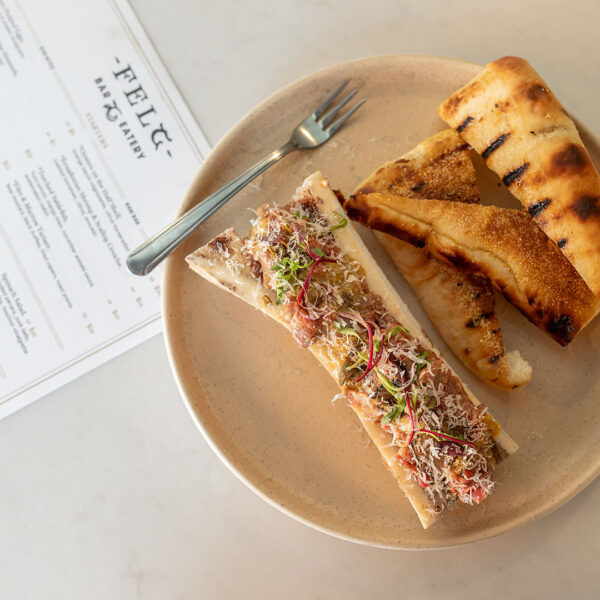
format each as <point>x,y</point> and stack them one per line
<point>315,130</point>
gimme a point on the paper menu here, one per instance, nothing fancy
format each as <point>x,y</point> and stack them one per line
<point>97,149</point>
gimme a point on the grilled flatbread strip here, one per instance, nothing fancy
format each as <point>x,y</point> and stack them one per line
<point>226,262</point>
<point>501,244</point>
<point>509,115</point>
<point>460,305</point>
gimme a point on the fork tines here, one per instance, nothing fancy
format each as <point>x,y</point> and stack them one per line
<point>325,120</point>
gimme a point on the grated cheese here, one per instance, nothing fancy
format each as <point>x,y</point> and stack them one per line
<point>284,241</point>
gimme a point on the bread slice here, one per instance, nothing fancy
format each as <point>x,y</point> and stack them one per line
<point>501,244</point>
<point>509,115</point>
<point>460,305</point>
<point>225,262</point>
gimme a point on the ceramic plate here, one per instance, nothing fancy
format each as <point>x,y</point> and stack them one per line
<point>265,405</point>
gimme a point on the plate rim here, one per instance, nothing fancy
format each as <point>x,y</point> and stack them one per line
<point>477,538</point>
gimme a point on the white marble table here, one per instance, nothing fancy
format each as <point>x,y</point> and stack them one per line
<point>107,491</point>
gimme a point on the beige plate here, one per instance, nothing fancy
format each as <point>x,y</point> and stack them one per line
<point>265,406</point>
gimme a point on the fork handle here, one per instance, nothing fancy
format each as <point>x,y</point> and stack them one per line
<point>153,251</point>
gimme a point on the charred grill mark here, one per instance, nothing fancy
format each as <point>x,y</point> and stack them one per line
<point>537,207</point>
<point>494,145</point>
<point>417,187</point>
<point>487,315</point>
<point>464,124</point>
<point>586,207</point>
<point>462,263</point>
<point>495,358</point>
<point>571,159</point>
<point>418,242</point>
<point>401,234</point>
<point>470,323</point>
<point>513,175</point>
<point>562,242</point>
<point>339,196</point>
<point>563,328</point>
<point>356,210</point>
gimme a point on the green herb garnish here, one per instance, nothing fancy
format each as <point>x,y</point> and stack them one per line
<point>287,274</point>
<point>422,365</point>
<point>387,384</point>
<point>349,331</point>
<point>343,221</point>
<point>396,412</point>
<point>395,330</point>
<point>400,405</point>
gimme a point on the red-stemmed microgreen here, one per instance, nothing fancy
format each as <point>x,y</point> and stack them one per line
<point>404,403</point>
<point>379,351</point>
<point>449,438</point>
<point>318,257</point>
<point>306,283</point>
<point>315,253</point>
<point>358,318</point>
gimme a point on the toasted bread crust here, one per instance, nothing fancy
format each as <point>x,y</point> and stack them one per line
<point>460,305</point>
<point>501,244</point>
<point>509,116</point>
<point>439,167</point>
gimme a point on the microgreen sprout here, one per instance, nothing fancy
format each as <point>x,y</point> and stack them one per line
<point>287,274</point>
<point>342,223</point>
<point>359,319</point>
<point>450,438</point>
<point>395,330</point>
